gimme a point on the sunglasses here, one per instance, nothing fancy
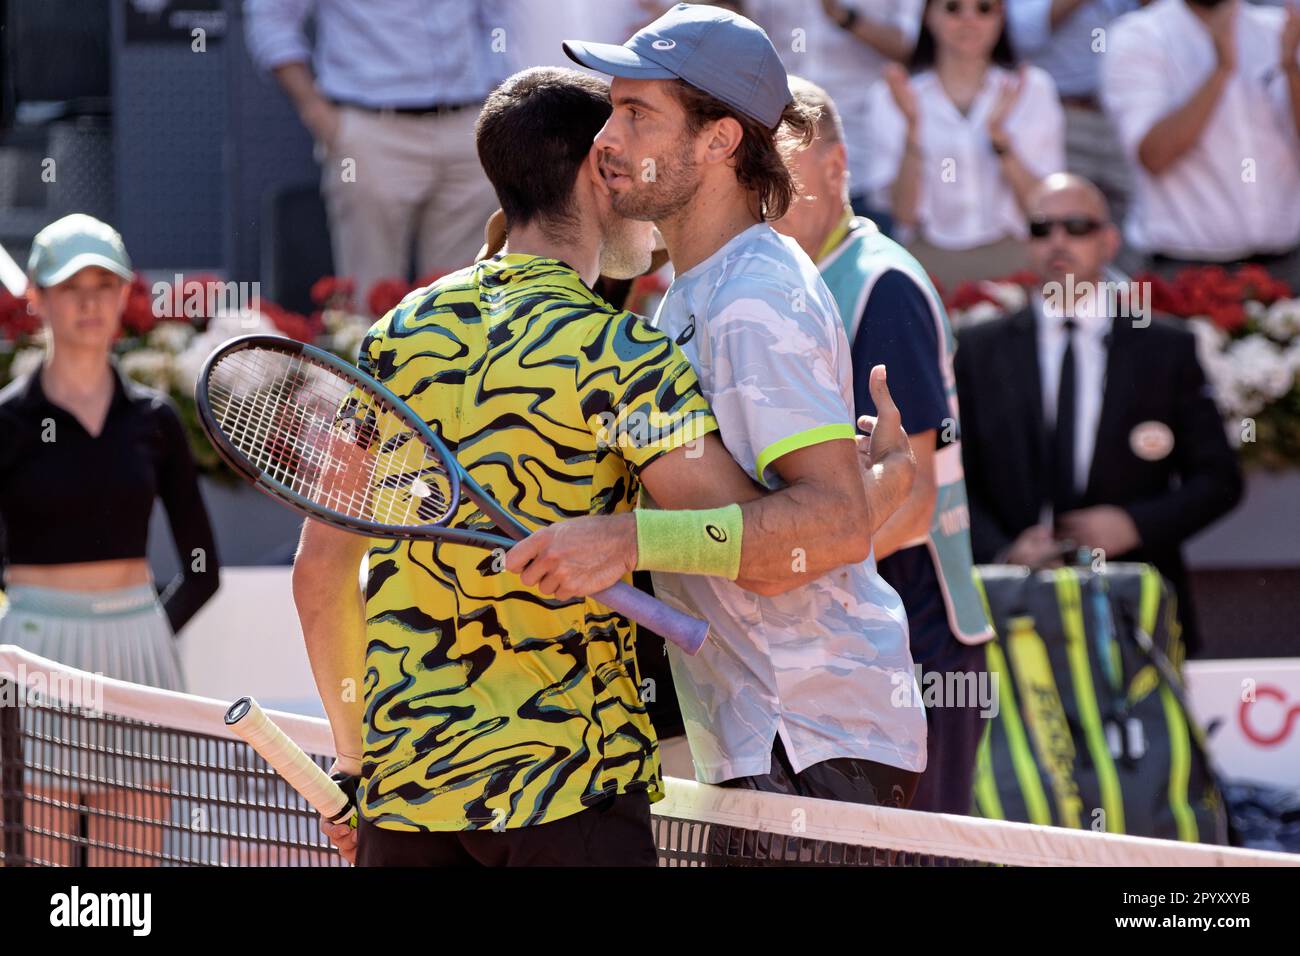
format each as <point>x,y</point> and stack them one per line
<point>983,8</point>
<point>1073,225</point>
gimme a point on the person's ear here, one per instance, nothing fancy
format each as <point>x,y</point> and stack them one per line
<point>839,165</point>
<point>591,169</point>
<point>724,139</point>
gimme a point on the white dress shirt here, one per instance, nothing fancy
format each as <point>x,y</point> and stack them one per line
<point>1067,52</point>
<point>1237,191</point>
<point>1092,329</point>
<point>965,201</point>
<point>814,46</point>
<point>389,53</point>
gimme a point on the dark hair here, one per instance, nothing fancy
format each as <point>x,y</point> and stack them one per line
<point>533,135</point>
<point>923,54</point>
<point>761,158</point>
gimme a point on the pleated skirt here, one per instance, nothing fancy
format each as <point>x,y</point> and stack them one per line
<point>121,633</point>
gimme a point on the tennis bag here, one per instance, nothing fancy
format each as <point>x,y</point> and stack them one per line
<point>1091,727</point>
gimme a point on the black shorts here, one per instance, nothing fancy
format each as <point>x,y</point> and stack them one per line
<point>614,832</point>
<point>846,779</point>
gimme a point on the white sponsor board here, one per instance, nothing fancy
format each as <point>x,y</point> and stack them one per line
<point>1251,711</point>
<point>247,641</point>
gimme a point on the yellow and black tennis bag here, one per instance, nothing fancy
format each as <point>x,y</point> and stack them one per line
<point>1091,727</point>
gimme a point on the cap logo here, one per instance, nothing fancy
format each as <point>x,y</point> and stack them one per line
<point>664,44</point>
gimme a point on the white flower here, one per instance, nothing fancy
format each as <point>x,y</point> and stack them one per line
<point>26,360</point>
<point>1281,320</point>
<point>153,367</point>
<point>1262,366</point>
<point>346,339</point>
<point>186,368</point>
<point>1250,374</point>
<point>1210,339</point>
<point>982,312</point>
<point>171,337</point>
<point>1011,297</point>
<point>221,329</point>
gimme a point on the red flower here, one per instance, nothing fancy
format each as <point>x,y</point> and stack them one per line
<point>969,294</point>
<point>139,317</point>
<point>1229,316</point>
<point>333,291</point>
<point>289,323</point>
<point>385,294</point>
<point>15,320</point>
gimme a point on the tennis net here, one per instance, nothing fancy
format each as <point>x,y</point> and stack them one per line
<point>95,771</point>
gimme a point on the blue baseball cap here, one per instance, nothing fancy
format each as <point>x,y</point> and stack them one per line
<point>714,50</point>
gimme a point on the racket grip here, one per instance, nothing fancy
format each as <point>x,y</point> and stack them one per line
<point>250,722</point>
<point>685,631</point>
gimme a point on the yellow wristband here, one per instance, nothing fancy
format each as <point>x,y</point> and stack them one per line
<point>690,542</point>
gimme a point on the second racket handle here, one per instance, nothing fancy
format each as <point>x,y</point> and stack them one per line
<point>685,631</point>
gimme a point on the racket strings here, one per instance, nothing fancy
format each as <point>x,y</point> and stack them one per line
<point>315,433</point>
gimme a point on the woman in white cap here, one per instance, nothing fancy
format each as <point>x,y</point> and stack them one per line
<point>84,453</point>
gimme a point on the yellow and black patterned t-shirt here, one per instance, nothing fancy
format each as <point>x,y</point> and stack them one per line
<point>487,704</point>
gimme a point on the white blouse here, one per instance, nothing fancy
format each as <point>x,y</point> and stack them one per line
<point>1237,191</point>
<point>964,200</point>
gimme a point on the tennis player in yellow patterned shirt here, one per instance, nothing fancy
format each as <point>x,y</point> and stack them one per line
<point>494,725</point>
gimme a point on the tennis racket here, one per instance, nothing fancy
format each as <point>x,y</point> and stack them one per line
<point>290,761</point>
<point>322,437</point>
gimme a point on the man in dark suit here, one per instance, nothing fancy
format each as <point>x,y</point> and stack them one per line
<point>1085,420</point>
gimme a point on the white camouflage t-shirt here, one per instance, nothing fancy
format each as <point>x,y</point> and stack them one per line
<point>824,665</point>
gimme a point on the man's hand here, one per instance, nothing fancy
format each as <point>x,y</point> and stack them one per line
<point>343,837</point>
<point>1035,547</point>
<point>1103,527</point>
<point>321,117</point>
<point>882,434</point>
<point>340,834</point>
<point>578,557</point>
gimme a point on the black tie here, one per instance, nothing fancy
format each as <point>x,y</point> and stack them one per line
<point>1063,435</point>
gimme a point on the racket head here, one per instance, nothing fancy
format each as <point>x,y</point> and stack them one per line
<point>319,435</point>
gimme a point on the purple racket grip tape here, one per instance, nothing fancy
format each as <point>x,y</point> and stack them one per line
<point>685,631</point>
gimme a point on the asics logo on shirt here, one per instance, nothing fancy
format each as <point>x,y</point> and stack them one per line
<point>687,333</point>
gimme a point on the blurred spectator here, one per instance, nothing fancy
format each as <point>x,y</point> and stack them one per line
<point>1085,422</point>
<point>84,453</point>
<point>1067,38</point>
<point>391,99</point>
<point>843,46</point>
<point>960,145</point>
<point>1206,100</point>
